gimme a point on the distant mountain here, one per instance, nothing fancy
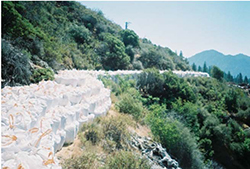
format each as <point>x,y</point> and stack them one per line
<point>234,63</point>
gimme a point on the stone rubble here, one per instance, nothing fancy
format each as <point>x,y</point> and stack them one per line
<point>153,151</point>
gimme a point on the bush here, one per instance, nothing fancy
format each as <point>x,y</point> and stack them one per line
<point>115,129</point>
<point>42,74</point>
<point>128,104</point>
<point>156,59</point>
<point>93,133</point>
<point>129,37</point>
<point>217,73</point>
<point>167,86</point>
<point>85,161</point>
<point>126,160</point>
<point>113,54</point>
<point>80,33</point>
<point>137,65</point>
<point>15,66</point>
<point>175,137</point>
<point>150,81</point>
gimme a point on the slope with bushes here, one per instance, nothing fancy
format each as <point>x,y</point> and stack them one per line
<point>65,35</point>
<point>201,121</point>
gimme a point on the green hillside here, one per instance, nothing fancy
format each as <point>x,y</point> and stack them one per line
<point>235,64</point>
<point>66,35</point>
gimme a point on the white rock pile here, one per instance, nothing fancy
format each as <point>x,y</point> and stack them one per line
<point>38,119</point>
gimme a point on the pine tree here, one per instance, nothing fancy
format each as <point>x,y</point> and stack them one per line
<point>239,78</point>
<point>245,80</point>
<point>194,67</point>
<point>181,54</point>
<point>229,77</point>
<point>199,69</point>
<point>205,67</point>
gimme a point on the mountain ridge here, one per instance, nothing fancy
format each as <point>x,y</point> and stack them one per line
<point>236,64</point>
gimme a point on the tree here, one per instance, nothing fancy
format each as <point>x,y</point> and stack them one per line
<point>154,58</point>
<point>217,73</point>
<point>194,67</point>
<point>245,80</point>
<point>129,37</point>
<point>231,101</point>
<point>15,66</point>
<point>239,78</point>
<point>199,69</point>
<point>229,77</point>
<point>205,67</point>
<point>113,53</point>
<point>181,54</point>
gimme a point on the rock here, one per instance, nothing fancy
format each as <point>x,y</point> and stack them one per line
<point>154,152</point>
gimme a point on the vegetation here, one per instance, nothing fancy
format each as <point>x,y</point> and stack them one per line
<point>66,35</point>
<point>126,160</point>
<point>201,121</point>
<point>105,143</point>
<point>234,63</point>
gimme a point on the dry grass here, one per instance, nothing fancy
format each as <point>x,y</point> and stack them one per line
<point>82,147</point>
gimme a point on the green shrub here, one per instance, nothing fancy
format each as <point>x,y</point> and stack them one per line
<point>112,53</point>
<point>93,134</point>
<point>85,161</point>
<point>150,81</point>
<point>80,33</point>
<point>129,37</point>
<point>115,129</point>
<point>42,74</point>
<point>15,66</point>
<point>176,138</point>
<point>129,105</point>
<point>126,160</point>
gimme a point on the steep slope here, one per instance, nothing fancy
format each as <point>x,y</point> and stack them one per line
<point>66,35</point>
<point>234,63</point>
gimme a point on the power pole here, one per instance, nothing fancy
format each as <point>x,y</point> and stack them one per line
<point>126,24</point>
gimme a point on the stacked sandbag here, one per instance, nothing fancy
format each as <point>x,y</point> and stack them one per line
<point>38,119</point>
<point>133,73</point>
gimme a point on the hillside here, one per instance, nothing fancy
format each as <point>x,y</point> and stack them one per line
<point>234,63</point>
<point>38,37</point>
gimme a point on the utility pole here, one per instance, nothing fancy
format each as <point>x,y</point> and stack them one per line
<point>126,24</point>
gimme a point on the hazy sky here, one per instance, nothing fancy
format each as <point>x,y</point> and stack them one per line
<point>188,26</point>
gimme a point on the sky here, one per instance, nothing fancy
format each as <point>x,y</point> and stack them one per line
<point>191,27</point>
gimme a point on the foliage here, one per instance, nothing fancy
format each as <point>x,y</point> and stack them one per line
<point>217,73</point>
<point>110,132</point>
<point>130,103</point>
<point>150,81</point>
<point>137,65</point>
<point>119,84</point>
<point>153,58</point>
<point>231,101</point>
<point>93,133</point>
<point>85,161</point>
<point>42,74</point>
<point>126,160</point>
<point>67,35</point>
<point>166,86</point>
<point>115,129</point>
<point>129,37</point>
<point>175,137</point>
<point>15,66</point>
<point>113,54</point>
<point>80,33</point>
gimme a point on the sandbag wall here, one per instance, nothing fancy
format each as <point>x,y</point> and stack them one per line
<point>38,119</point>
<point>133,73</point>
